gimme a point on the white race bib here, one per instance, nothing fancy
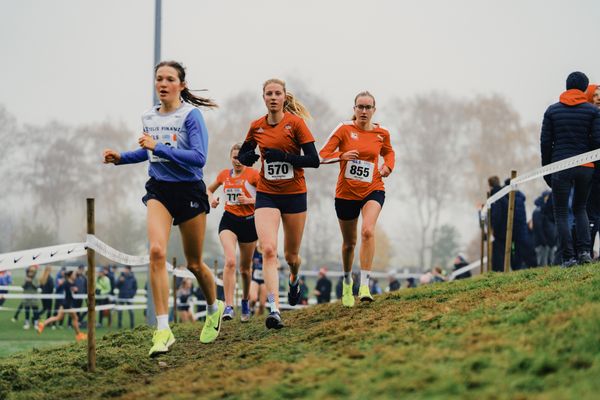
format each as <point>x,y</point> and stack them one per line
<point>168,139</point>
<point>257,274</point>
<point>359,170</point>
<point>278,170</point>
<point>232,195</point>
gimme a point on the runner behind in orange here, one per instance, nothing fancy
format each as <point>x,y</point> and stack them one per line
<point>357,145</point>
<point>281,193</point>
<point>236,227</point>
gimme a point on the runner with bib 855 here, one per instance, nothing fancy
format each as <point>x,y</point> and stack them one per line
<point>357,145</point>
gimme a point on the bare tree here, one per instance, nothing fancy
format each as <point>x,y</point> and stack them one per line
<point>498,143</point>
<point>430,129</point>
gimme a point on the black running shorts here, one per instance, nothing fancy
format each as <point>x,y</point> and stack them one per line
<point>347,210</point>
<point>286,203</point>
<point>183,200</point>
<point>243,227</point>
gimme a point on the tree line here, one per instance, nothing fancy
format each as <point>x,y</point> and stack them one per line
<point>446,147</point>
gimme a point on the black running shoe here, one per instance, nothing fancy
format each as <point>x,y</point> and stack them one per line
<point>273,321</point>
<point>294,294</point>
<point>584,258</point>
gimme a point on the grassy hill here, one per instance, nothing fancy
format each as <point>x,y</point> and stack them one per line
<point>531,334</point>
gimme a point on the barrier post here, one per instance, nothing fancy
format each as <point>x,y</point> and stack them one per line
<point>490,233</point>
<point>91,289</point>
<point>482,226</point>
<point>174,291</point>
<point>509,224</point>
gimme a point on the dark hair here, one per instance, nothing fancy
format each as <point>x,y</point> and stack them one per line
<point>493,181</point>
<point>186,94</point>
<point>68,274</point>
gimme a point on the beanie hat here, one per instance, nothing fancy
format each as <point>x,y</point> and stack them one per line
<point>577,80</point>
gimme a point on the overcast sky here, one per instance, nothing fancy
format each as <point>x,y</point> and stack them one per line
<point>81,61</point>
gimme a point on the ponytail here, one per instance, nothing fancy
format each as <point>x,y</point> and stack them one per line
<point>186,94</point>
<point>293,106</point>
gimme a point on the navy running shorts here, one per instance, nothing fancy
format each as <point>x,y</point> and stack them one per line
<point>285,203</point>
<point>242,227</point>
<point>183,200</point>
<point>347,210</point>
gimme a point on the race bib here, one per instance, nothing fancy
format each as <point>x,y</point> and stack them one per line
<point>359,170</point>
<point>168,139</point>
<point>278,170</point>
<point>232,195</point>
<point>257,275</point>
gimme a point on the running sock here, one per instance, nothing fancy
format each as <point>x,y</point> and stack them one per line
<point>272,304</point>
<point>364,277</point>
<point>162,322</point>
<point>295,281</point>
<point>212,308</point>
<point>347,278</point>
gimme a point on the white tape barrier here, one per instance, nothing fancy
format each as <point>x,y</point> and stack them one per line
<point>43,255</point>
<point>52,254</point>
<point>567,163</point>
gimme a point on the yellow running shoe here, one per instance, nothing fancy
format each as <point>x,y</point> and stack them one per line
<point>364,294</point>
<point>161,341</point>
<point>347,296</point>
<point>212,325</point>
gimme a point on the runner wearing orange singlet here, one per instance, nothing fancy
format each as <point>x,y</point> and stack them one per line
<point>236,227</point>
<point>280,135</point>
<point>357,145</point>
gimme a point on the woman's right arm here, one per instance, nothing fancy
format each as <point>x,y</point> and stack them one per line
<point>210,190</point>
<point>128,157</point>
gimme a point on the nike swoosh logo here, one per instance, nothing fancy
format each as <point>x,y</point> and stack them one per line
<point>34,257</point>
<point>52,254</point>
<point>219,324</point>
<point>70,251</point>
<point>17,259</point>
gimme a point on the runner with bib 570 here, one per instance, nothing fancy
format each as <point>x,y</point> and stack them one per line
<point>281,191</point>
<point>357,145</point>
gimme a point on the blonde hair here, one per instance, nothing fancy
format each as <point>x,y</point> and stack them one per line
<point>364,93</point>
<point>236,146</point>
<point>291,104</point>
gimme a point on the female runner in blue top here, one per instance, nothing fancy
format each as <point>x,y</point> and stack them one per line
<point>175,141</point>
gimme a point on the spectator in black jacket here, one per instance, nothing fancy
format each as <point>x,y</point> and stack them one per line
<point>127,285</point>
<point>460,262</point>
<point>498,211</point>
<point>323,288</point>
<point>544,230</point>
<point>571,127</point>
<point>393,282</point>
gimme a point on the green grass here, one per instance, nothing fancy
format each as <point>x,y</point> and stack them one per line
<point>14,339</point>
<point>528,335</point>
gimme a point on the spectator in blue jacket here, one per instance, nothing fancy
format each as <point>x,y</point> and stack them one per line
<point>571,127</point>
<point>5,280</point>
<point>127,285</point>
